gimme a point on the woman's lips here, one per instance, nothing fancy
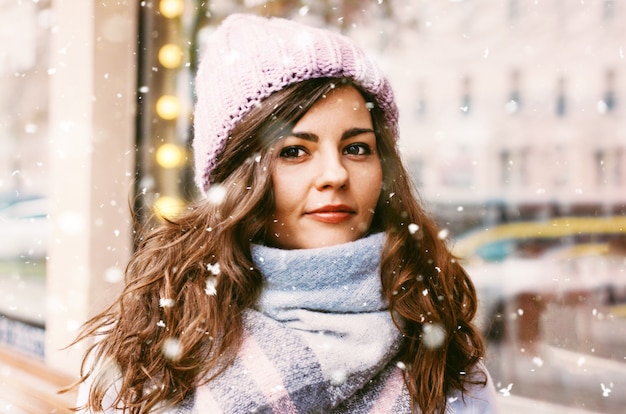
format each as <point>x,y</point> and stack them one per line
<point>332,214</point>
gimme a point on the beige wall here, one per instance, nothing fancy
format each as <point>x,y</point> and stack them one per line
<point>91,148</point>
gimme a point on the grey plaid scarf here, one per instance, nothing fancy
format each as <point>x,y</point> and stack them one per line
<point>320,341</point>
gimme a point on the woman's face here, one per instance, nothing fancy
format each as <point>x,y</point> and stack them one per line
<point>327,176</point>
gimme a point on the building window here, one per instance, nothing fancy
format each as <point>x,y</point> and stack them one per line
<point>514,100</point>
<point>506,163</point>
<point>608,9</point>
<point>466,95</point>
<point>600,167</point>
<point>514,167</point>
<point>513,10</point>
<point>608,102</point>
<point>561,100</point>
<point>523,166</point>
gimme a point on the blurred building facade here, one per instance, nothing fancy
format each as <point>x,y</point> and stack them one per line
<point>514,109</point>
<point>510,111</point>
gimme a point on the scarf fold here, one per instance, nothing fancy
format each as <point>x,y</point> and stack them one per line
<point>320,340</point>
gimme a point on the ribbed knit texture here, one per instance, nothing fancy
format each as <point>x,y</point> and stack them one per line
<point>320,336</point>
<point>250,57</point>
<point>320,341</point>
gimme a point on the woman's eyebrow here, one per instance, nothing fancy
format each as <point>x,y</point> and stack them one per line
<point>307,136</point>
<point>352,132</point>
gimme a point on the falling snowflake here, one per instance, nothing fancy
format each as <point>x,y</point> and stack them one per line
<point>506,391</point>
<point>338,377</point>
<point>161,324</point>
<point>172,349</point>
<point>413,228</point>
<point>113,275</point>
<point>443,234</point>
<point>211,283</point>
<point>71,223</point>
<point>214,268</point>
<point>605,390</point>
<point>433,335</point>
<point>166,302</point>
<point>232,57</point>
<point>512,106</point>
<point>216,194</point>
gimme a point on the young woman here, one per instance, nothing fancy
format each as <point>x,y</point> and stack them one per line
<point>308,279</point>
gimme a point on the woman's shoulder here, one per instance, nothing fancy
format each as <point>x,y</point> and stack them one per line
<point>478,398</point>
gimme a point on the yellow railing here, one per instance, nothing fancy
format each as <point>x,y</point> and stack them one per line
<point>466,245</point>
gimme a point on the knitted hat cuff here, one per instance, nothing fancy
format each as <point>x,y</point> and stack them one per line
<point>250,57</point>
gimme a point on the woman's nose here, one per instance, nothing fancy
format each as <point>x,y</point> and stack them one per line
<point>331,172</point>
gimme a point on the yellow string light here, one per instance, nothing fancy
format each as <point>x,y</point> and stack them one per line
<point>168,107</point>
<point>170,155</point>
<point>168,207</point>
<point>171,8</point>
<point>170,56</point>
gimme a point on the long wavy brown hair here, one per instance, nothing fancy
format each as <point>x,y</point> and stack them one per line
<point>164,335</point>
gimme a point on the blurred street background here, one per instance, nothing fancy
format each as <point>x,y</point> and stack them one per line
<point>512,117</point>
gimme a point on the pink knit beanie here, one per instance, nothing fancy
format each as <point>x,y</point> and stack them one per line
<point>250,57</point>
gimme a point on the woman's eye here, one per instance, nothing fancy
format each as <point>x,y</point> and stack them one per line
<point>357,149</point>
<point>292,152</point>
